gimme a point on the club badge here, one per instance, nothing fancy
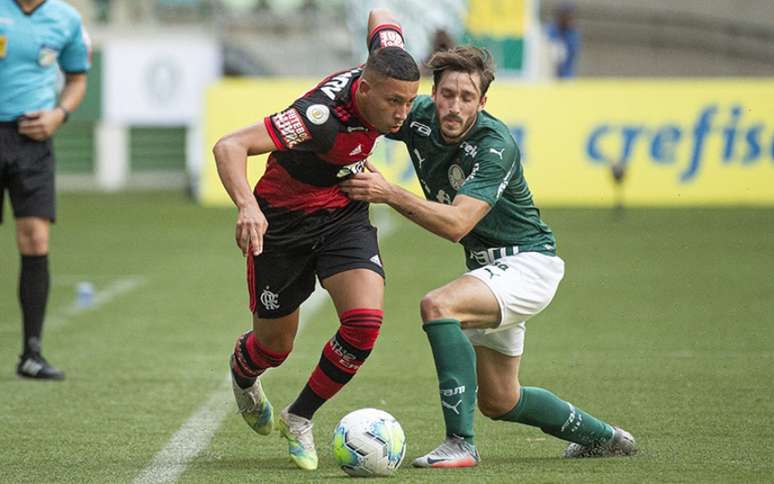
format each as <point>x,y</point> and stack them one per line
<point>456,176</point>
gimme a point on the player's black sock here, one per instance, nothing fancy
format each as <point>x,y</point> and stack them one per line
<point>306,404</point>
<point>341,357</point>
<point>33,297</point>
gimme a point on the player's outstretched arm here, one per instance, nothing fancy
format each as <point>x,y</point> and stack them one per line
<point>452,222</point>
<point>377,17</point>
<point>231,152</point>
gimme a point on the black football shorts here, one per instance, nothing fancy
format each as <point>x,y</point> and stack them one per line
<point>280,280</point>
<point>27,173</point>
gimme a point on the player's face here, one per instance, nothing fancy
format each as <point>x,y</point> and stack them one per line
<point>458,100</point>
<point>387,102</point>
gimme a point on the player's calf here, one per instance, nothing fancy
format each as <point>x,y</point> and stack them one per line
<point>341,358</point>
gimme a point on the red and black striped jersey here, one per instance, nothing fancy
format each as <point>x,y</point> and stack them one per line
<point>320,139</point>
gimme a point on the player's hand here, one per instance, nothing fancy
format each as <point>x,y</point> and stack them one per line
<point>368,186</point>
<point>41,125</point>
<point>251,226</point>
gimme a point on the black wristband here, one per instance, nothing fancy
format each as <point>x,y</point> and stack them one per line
<point>66,113</point>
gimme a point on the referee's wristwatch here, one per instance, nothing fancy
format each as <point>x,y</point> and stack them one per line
<point>66,113</point>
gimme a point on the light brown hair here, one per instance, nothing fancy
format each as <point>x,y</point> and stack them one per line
<point>466,59</point>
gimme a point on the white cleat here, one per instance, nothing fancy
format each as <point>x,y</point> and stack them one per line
<point>298,431</point>
<point>453,452</point>
<point>253,405</point>
<point>622,443</point>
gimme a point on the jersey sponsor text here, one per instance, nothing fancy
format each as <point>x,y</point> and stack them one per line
<point>291,127</point>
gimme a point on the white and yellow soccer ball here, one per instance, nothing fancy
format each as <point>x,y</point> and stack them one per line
<point>369,443</point>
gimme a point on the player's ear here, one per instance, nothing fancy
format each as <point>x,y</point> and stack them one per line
<point>364,86</point>
<point>482,104</point>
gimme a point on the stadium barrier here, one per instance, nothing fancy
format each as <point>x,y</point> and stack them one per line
<point>681,142</point>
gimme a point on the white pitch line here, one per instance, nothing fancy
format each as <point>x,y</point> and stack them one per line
<point>115,289</point>
<point>193,437</point>
<point>197,432</point>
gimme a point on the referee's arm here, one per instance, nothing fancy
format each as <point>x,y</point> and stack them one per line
<point>41,125</point>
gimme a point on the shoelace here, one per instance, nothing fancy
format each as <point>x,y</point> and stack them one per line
<point>301,430</point>
<point>253,405</point>
<point>449,448</point>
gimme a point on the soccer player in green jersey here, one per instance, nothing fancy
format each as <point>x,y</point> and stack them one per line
<point>470,170</point>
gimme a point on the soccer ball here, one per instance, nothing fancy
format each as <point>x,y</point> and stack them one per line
<point>368,443</point>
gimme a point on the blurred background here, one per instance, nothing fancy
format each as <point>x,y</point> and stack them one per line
<point>663,323</point>
<point>644,90</point>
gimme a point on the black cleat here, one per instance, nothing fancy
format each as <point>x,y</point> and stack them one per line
<point>36,367</point>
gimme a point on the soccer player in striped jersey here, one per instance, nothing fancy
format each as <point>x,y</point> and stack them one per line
<point>470,170</point>
<point>297,224</point>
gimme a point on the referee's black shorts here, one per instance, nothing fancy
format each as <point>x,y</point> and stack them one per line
<point>27,173</point>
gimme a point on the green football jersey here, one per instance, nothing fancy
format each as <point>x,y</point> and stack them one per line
<point>486,165</point>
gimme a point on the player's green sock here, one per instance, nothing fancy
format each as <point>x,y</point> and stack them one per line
<point>455,364</point>
<point>540,408</point>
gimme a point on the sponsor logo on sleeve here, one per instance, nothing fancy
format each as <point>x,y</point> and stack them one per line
<point>47,56</point>
<point>318,113</point>
<point>498,153</point>
<point>472,172</point>
<point>505,181</point>
<point>291,127</point>
<point>390,38</point>
<point>337,83</point>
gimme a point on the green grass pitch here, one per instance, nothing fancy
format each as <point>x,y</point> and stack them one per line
<point>664,325</point>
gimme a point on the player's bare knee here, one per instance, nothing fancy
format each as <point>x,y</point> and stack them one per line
<point>33,242</point>
<point>277,343</point>
<point>434,306</point>
<point>491,407</point>
<point>497,404</point>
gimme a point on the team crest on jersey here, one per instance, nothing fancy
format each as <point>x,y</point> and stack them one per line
<point>291,127</point>
<point>318,113</point>
<point>47,56</point>
<point>456,176</point>
<point>390,38</point>
<point>3,45</point>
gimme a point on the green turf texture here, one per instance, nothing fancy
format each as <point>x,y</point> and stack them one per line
<point>664,325</point>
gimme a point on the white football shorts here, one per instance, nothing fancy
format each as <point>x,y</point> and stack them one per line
<point>523,284</point>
